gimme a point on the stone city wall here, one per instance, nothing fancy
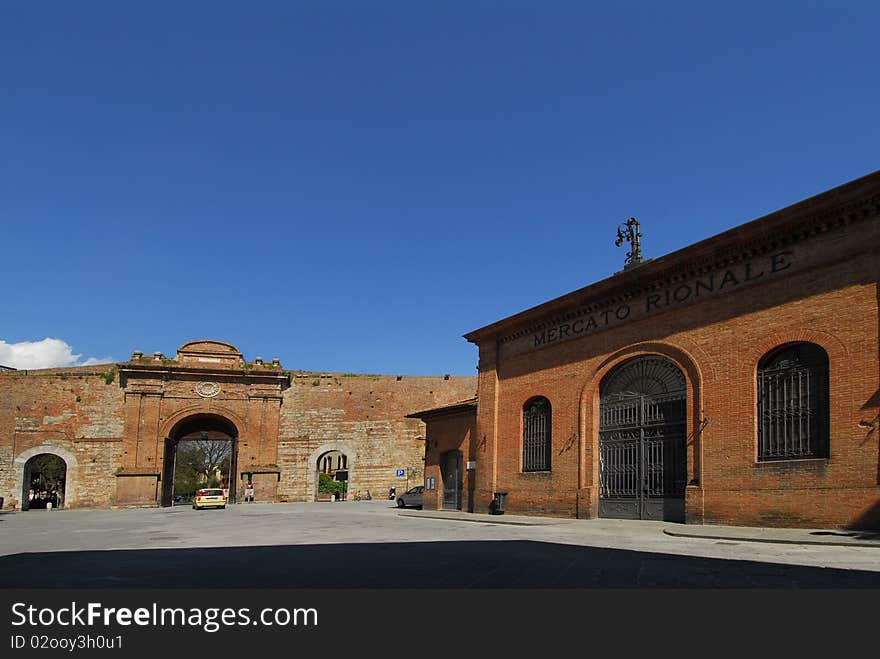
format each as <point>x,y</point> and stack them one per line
<point>75,413</point>
<point>364,417</point>
<point>80,415</point>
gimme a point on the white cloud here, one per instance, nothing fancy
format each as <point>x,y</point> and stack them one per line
<point>44,354</point>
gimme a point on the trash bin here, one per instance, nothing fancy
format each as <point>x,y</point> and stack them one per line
<point>499,503</point>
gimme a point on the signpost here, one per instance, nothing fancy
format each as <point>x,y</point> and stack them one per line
<point>249,488</point>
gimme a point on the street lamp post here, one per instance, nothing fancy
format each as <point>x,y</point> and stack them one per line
<point>632,233</point>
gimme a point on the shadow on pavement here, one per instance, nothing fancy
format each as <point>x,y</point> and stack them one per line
<point>479,564</point>
<point>860,535</point>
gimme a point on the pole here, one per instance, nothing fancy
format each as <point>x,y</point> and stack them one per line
<point>173,474</point>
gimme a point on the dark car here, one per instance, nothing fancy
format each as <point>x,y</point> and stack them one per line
<point>411,497</point>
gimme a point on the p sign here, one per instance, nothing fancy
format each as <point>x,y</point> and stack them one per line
<point>401,472</point>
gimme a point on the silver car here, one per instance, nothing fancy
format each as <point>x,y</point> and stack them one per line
<point>411,497</point>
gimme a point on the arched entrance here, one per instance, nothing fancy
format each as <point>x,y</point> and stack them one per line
<point>332,475</point>
<point>44,482</point>
<point>642,443</point>
<point>200,451</point>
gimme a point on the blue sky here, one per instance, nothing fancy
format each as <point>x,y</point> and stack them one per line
<point>351,186</point>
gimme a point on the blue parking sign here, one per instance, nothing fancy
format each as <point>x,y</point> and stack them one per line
<point>401,472</point>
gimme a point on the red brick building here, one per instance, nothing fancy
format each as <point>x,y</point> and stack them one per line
<point>116,428</point>
<point>735,381</point>
<point>450,452</point>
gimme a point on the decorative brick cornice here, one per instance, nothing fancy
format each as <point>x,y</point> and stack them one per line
<point>134,372</point>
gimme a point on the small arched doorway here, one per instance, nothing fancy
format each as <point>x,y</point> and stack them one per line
<point>44,482</point>
<point>642,442</point>
<point>200,451</point>
<point>332,476</point>
<point>450,471</point>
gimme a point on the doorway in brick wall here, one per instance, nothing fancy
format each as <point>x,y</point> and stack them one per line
<point>331,482</point>
<point>642,445</point>
<point>450,469</point>
<point>44,481</point>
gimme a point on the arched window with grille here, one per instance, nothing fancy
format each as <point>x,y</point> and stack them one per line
<point>536,435</point>
<point>793,403</point>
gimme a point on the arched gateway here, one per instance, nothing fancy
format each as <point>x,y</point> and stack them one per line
<point>208,394</point>
<point>46,473</point>
<point>208,444</point>
<point>44,482</point>
<point>331,479</point>
<point>642,446</point>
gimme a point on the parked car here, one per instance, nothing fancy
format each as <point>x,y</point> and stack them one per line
<point>209,498</point>
<point>411,497</point>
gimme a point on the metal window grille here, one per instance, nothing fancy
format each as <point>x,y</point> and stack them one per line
<point>536,435</point>
<point>793,404</point>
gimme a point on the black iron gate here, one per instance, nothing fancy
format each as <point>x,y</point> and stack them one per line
<point>642,447</point>
<point>451,468</point>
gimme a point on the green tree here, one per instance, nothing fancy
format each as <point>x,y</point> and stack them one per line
<point>50,466</point>
<point>47,472</point>
<point>327,485</point>
<point>201,463</point>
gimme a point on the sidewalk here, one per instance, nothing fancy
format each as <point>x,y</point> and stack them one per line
<point>840,537</point>
<point>516,520</point>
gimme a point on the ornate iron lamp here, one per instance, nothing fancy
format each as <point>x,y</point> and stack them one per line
<point>632,234</point>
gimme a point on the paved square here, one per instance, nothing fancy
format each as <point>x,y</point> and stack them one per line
<point>371,544</point>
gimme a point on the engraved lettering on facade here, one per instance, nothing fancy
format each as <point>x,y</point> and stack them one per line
<point>700,287</point>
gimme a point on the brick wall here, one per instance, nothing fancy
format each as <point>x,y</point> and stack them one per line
<point>444,433</point>
<point>737,489</point>
<point>72,412</point>
<point>364,417</point>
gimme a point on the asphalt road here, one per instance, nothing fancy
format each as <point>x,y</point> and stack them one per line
<point>369,545</point>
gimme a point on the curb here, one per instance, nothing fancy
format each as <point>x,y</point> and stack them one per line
<point>484,520</point>
<point>785,541</point>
